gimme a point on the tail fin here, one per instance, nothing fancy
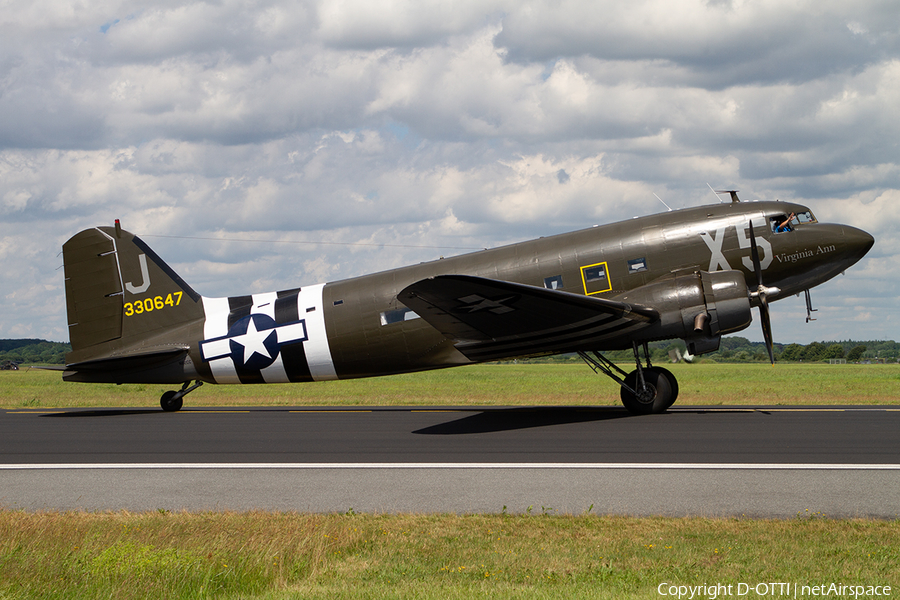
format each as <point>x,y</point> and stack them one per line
<point>122,300</point>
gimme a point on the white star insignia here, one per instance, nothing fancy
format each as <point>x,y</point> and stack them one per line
<point>254,341</point>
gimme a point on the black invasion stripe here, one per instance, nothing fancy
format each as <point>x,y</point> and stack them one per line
<point>288,293</point>
<point>239,307</point>
<point>293,356</point>
<point>596,336</point>
<point>498,354</point>
<point>556,344</point>
<point>248,377</point>
<point>591,324</point>
<point>286,310</point>
<point>295,364</point>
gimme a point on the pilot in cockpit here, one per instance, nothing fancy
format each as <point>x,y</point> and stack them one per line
<point>784,225</point>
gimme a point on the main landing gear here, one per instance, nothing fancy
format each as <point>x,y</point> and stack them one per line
<point>172,401</point>
<point>645,390</point>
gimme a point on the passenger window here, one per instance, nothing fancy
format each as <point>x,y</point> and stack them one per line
<point>389,317</point>
<point>595,279</point>
<point>553,283</point>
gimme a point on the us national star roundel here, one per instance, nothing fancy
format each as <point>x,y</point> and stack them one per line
<point>253,342</point>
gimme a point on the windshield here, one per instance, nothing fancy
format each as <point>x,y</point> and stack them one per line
<point>803,217</point>
<point>784,223</point>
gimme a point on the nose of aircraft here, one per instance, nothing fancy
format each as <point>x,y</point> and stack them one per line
<point>856,242</point>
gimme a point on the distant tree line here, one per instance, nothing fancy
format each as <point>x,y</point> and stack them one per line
<point>34,352</point>
<point>734,349</point>
<point>731,349</point>
<point>738,349</point>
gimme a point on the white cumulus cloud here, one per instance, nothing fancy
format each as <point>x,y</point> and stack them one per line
<point>285,143</point>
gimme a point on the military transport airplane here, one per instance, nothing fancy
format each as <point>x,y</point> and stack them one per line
<point>692,274</point>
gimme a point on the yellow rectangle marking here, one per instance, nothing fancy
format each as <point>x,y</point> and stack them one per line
<point>584,281</point>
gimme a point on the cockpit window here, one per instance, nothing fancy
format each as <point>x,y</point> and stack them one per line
<point>781,223</point>
<point>803,217</point>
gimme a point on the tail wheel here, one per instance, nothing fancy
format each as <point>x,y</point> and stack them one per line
<point>659,392</point>
<point>171,401</point>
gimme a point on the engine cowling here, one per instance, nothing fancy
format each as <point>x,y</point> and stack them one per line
<point>697,307</point>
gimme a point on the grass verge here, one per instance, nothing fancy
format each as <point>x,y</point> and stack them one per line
<point>286,555</point>
<point>491,384</point>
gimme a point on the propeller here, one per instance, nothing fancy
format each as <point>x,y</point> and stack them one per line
<point>761,296</point>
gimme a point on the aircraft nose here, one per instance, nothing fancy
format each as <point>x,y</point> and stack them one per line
<point>857,241</point>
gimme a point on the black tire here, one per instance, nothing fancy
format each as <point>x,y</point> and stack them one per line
<point>673,384</point>
<point>660,393</point>
<point>171,401</point>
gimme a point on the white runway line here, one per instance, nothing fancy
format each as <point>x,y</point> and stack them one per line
<point>474,466</point>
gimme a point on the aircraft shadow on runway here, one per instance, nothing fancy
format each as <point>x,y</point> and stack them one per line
<point>487,420</point>
<point>107,412</point>
<point>507,419</point>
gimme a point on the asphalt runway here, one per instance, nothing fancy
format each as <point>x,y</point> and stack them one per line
<point>713,461</point>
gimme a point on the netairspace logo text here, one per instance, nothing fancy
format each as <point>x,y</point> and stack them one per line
<point>770,590</point>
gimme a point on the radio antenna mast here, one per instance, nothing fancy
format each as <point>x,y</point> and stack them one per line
<point>663,203</point>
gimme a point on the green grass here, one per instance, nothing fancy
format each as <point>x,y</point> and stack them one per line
<point>492,384</point>
<point>277,556</point>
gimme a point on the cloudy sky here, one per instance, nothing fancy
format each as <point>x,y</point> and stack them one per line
<point>265,145</point>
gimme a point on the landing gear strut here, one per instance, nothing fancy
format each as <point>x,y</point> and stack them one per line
<point>172,401</point>
<point>645,390</point>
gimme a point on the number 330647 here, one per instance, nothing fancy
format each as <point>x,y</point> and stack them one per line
<point>150,304</point>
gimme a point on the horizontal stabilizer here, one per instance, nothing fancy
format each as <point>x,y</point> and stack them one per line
<point>164,367</point>
<point>492,319</point>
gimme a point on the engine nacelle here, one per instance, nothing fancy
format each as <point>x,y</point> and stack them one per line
<point>697,307</point>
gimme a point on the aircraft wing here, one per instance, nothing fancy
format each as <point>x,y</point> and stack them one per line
<point>490,319</point>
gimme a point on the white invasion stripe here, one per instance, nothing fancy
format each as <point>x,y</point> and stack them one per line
<point>436,466</point>
<point>216,325</point>
<point>318,352</point>
<point>264,304</point>
<point>223,370</point>
<point>275,373</point>
<point>216,311</point>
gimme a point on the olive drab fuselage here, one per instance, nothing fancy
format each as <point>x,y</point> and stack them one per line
<point>634,253</point>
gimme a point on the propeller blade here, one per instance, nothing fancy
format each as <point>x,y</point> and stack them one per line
<point>767,328</point>
<point>754,256</point>
<point>761,293</point>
